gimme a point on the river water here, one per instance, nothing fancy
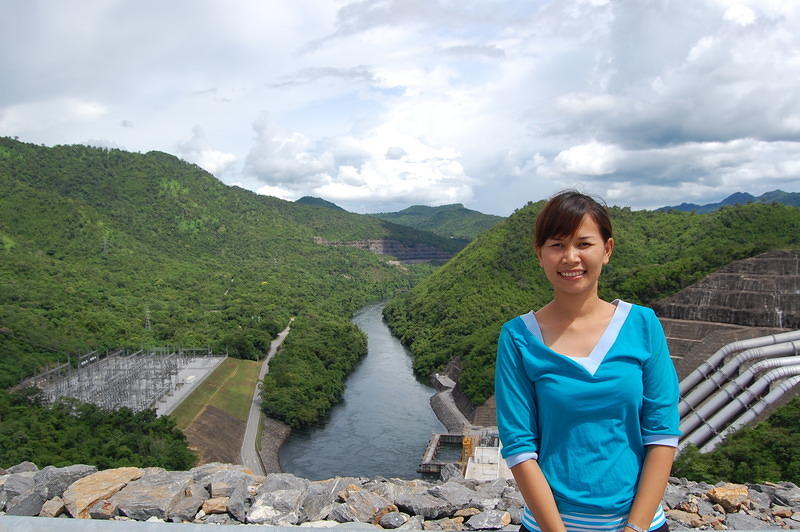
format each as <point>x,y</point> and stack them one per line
<point>382,426</point>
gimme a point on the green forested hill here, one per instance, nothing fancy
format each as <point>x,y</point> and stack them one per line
<point>97,243</point>
<point>459,309</point>
<point>451,221</point>
<point>319,202</point>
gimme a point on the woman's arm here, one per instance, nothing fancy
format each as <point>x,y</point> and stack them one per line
<point>538,496</point>
<point>652,483</point>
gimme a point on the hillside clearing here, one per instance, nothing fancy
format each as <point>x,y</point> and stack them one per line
<point>229,388</point>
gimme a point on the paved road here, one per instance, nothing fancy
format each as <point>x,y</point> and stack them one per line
<point>249,455</point>
<point>190,378</point>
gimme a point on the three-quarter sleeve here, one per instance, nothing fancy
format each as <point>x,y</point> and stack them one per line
<point>516,403</point>
<point>659,419</point>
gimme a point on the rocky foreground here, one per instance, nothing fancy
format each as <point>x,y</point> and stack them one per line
<point>230,494</point>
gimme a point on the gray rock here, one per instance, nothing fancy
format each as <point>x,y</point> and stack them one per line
<point>52,508</point>
<point>321,497</point>
<point>154,494</point>
<point>103,509</point>
<point>239,502</point>
<point>200,473</point>
<point>52,481</point>
<point>788,495</point>
<point>742,521</point>
<point>412,486</point>
<point>768,490</point>
<point>514,505</point>
<point>223,483</point>
<point>758,499</point>
<point>394,520</point>
<point>458,496</point>
<point>451,472</point>
<point>28,503</point>
<point>276,507</point>
<point>356,525</point>
<point>675,525</point>
<point>342,513</point>
<point>387,490</point>
<point>23,467</point>
<point>493,489</point>
<point>185,507</point>
<point>489,520</point>
<point>424,505</point>
<point>219,519</point>
<point>704,507</point>
<point>413,523</point>
<point>282,481</point>
<point>512,495</point>
<point>18,483</point>
<point>360,506</point>
<point>516,514</point>
<point>674,495</point>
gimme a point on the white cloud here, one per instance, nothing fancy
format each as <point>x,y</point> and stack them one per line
<point>59,112</point>
<point>740,14</point>
<point>198,151</point>
<point>593,158</point>
<point>425,101</point>
<point>380,166</point>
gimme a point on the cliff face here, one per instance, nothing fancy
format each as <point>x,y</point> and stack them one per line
<point>762,291</point>
<point>407,252</point>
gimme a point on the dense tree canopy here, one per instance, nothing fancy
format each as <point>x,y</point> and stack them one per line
<point>69,432</point>
<point>104,249</point>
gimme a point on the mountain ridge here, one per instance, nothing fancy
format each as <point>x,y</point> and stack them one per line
<point>450,221</point>
<point>739,198</point>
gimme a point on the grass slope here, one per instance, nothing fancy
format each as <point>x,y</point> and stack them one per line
<point>229,387</point>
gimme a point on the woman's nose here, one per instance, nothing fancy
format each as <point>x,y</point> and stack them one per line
<point>570,255</point>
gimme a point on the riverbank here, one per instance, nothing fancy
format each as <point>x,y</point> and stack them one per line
<point>273,435</point>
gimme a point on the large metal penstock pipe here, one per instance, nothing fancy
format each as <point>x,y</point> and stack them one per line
<point>730,390</point>
<point>741,402</point>
<point>720,377</point>
<point>751,414</point>
<point>710,365</point>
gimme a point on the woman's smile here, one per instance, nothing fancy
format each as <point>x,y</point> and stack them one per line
<point>572,274</point>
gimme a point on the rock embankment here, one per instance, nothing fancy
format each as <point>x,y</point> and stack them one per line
<point>230,494</point>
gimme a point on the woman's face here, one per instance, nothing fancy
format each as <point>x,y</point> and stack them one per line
<point>573,263</point>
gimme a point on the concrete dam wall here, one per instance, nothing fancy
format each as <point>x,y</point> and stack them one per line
<point>761,291</point>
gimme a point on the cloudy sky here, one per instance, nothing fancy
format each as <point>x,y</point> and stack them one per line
<point>381,104</point>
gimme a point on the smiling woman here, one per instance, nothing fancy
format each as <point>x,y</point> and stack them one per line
<point>585,389</point>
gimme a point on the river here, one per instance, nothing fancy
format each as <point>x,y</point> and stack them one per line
<point>383,424</point>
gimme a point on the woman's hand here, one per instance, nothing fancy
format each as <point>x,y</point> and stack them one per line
<point>538,496</point>
<point>652,483</point>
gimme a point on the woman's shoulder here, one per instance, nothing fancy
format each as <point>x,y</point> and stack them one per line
<point>517,322</point>
<point>639,310</point>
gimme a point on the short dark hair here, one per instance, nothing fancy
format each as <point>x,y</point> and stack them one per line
<point>563,213</point>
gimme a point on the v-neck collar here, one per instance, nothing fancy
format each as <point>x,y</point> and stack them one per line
<point>591,362</point>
